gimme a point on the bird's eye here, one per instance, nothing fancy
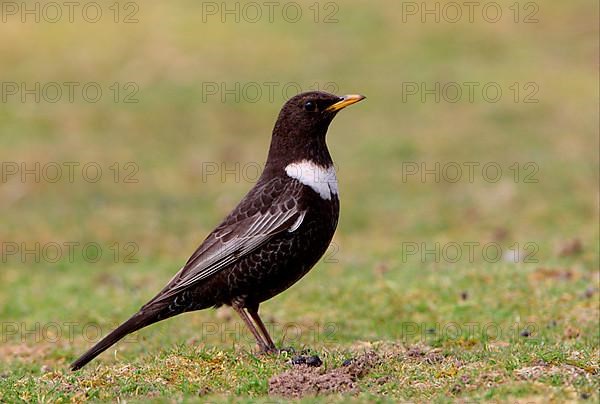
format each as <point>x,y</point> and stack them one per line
<point>310,106</point>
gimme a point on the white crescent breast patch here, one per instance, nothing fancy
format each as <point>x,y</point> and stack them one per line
<point>321,179</point>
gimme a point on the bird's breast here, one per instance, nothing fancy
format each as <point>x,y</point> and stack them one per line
<point>320,179</point>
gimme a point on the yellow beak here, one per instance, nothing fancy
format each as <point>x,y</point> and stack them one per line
<point>345,101</point>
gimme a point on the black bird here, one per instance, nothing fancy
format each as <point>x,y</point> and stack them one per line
<point>273,237</point>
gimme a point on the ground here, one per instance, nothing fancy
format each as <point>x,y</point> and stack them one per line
<point>465,266</point>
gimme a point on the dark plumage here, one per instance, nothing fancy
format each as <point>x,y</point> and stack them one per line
<point>273,237</point>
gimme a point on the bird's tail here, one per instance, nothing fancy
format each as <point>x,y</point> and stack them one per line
<point>136,322</point>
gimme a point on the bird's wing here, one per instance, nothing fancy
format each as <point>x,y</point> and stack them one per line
<point>275,208</point>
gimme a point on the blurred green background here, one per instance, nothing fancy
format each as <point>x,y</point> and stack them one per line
<point>368,286</point>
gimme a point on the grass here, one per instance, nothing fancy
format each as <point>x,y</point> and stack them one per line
<point>478,329</point>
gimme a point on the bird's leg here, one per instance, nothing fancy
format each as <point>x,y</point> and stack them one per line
<point>259,339</point>
<point>254,314</point>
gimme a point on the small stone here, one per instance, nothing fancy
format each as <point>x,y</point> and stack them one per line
<point>314,361</point>
<point>298,360</point>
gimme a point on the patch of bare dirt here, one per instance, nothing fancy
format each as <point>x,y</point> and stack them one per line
<point>24,352</point>
<point>304,380</point>
<point>429,356</point>
<point>569,372</point>
<point>558,274</point>
<point>425,354</point>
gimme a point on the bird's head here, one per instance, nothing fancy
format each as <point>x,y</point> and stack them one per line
<point>302,124</point>
<point>313,111</point>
